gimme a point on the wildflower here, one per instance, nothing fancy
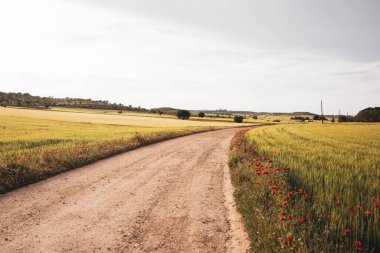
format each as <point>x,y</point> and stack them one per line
<point>358,245</point>
<point>290,237</point>
<point>302,219</point>
<point>290,217</point>
<point>315,196</point>
<point>367,213</point>
<point>338,203</point>
<point>272,187</point>
<point>294,246</point>
<point>346,232</point>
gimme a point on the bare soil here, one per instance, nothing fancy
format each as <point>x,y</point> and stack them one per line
<point>174,196</point>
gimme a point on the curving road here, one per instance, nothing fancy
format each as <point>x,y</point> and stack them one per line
<point>174,196</point>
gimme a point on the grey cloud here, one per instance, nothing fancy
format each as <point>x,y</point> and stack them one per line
<point>345,28</point>
<point>352,73</point>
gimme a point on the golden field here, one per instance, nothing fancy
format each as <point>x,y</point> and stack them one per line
<point>35,144</point>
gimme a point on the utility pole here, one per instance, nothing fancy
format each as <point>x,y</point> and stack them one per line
<point>322,111</point>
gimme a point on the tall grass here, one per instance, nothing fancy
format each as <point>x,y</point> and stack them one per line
<point>337,168</point>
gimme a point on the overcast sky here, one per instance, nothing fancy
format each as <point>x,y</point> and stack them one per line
<point>283,55</point>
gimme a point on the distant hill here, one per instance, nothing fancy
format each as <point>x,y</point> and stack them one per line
<point>27,100</point>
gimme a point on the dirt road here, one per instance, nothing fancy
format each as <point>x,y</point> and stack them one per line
<point>173,196</point>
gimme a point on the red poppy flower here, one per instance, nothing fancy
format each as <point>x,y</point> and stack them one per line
<point>367,213</point>
<point>338,203</point>
<point>294,246</point>
<point>272,187</point>
<point>346,232</point>
<point>302,219</point>
<point>290,217</point>
<point>358,243</point>
<point>290,237</point>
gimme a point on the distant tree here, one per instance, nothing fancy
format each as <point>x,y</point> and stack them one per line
<point>160,112</point>
<point>369,115</point>
<point>183,114</point>
<point>344,118</point>
<point>120,111</point>
<point>238,118</point>
<point>201,114</point>
<point>316,117</point>
<point>254,117</point>
<point>298,118</point>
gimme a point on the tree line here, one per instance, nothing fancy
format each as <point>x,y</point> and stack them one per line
<point>27,100</point>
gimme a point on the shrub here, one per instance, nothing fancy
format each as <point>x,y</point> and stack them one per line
<point>201,114</point>
<point>238,119</point>
<point>183,114</point>
<point>254,117</point>
<point>276,120</point>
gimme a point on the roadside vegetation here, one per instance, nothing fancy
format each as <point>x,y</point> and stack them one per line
<point>309,187</point>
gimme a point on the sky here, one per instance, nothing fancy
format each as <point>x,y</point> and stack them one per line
<point>267,55</point>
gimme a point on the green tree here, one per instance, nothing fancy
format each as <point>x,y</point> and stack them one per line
<point>183,114</point>
<point>238,118</point>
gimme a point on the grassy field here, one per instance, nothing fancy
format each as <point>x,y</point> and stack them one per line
<point>35,144</point>
<point>112,117</point>
<point>328,199</point>
<point>209,117</point>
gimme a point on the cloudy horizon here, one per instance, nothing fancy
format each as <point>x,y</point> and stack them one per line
<point>274,56</point>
